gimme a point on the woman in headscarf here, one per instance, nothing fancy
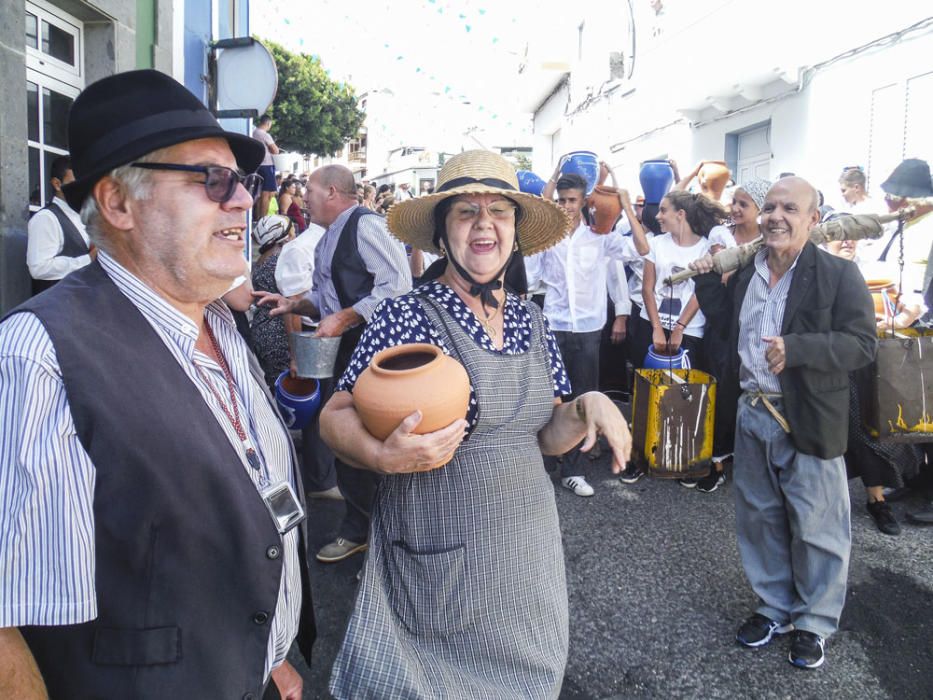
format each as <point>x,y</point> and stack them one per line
<point>463,592</point>
<point>747,200</point>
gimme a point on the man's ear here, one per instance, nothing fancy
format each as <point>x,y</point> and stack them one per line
<point>56,184</point>
<point>114,205</point>
<point>814,218</point>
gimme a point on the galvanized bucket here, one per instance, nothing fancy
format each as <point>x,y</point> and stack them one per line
<point>314,356</point>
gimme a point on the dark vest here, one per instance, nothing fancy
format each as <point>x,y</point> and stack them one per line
<point>352,281</point>
<point>73,245</point>
<point>188,561</point>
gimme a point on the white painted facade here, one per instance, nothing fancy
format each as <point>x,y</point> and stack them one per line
<point>691,98</point>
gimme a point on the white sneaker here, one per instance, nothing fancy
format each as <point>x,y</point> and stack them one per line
<point>578,485</point>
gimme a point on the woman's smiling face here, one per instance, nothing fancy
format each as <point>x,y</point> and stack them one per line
<point>481,233</point>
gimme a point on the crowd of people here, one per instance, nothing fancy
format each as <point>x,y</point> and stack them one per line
<point>157,503</point>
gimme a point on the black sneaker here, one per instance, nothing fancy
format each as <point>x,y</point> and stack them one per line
<point>758,630</point>
<point>711,481</point>
<point>806,649</point>
<point>631,474</point>
<point>924,516</point>
<point>689,483</point>
<point>884,518</point>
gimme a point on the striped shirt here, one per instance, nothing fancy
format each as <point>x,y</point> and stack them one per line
<point>762,315</point>
<point>383,255</point>
<point>47,478</point>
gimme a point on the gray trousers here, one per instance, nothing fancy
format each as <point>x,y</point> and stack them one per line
<point>792,523</point>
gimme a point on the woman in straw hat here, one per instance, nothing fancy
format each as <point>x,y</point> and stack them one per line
<point>463,592</point>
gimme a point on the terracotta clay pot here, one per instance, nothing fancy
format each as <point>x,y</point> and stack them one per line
<point>713,178</point>
<point>605,207</point>
<point>406,378</point>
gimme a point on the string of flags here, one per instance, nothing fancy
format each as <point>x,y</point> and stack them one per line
<point>471,18</point>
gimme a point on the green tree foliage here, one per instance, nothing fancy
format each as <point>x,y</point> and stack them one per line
<point>311,112</point>
<point>522,162</point>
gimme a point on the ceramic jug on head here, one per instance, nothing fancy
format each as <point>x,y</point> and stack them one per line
<point>583,163</point>
<point>714,176</point>
<point>605,207</point>
<point>656,177</point>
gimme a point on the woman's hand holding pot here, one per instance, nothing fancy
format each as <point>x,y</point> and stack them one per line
<point>405,451</point>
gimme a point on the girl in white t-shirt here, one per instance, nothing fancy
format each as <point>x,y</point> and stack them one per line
<point>671,315</point>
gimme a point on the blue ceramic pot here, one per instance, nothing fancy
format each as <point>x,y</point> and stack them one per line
<point>656,178</point>
<point>298,400</point>
<point>654,360</point>
<point>585,164</point>
<point>530,183</point>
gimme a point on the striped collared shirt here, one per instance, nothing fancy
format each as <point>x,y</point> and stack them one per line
<point>47,478</point>
<point>383,255</point>
<point>761,316</point>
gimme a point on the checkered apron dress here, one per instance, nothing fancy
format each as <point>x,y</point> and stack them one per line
<point>463,592</point>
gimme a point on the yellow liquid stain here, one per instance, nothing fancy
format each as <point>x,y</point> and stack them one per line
<point>925,425</point>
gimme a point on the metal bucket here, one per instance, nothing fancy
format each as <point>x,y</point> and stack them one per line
<point>314,357</point>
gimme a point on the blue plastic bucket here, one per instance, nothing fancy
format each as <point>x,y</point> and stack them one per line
<point>655,360</point>
<point>585,164</point>
<point>298,399</point>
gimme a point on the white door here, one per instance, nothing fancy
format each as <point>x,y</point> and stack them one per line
<point>754,155</point>
<point>918,136</point>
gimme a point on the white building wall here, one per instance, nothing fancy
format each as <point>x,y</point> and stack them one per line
<point>661,112</point>
<point>829,124</point>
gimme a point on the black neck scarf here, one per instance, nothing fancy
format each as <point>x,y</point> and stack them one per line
<point>484,290</point>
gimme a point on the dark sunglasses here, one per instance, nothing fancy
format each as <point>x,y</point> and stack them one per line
<point>221,182</point>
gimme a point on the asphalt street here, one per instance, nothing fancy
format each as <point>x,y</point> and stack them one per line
<point>656,591</point>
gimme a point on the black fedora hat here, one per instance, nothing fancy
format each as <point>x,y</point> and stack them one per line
<point>910,179</point>
<point>125,116</point>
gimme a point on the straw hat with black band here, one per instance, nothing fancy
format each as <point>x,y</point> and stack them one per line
<point>540,223</point>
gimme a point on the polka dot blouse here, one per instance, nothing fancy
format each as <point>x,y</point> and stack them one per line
<point>402,320</point>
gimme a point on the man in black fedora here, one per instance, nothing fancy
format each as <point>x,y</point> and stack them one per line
<point>153,542</point>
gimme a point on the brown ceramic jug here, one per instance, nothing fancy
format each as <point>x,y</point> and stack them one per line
<point>406,378</point>
<point>605,207</point>
<point>713,178</point>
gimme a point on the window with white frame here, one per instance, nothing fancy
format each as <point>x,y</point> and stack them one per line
<point>54,77</point>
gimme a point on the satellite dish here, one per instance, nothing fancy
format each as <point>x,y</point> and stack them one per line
<point>246,78</point>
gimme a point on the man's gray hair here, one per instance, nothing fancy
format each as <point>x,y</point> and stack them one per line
<point>136,182</point>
